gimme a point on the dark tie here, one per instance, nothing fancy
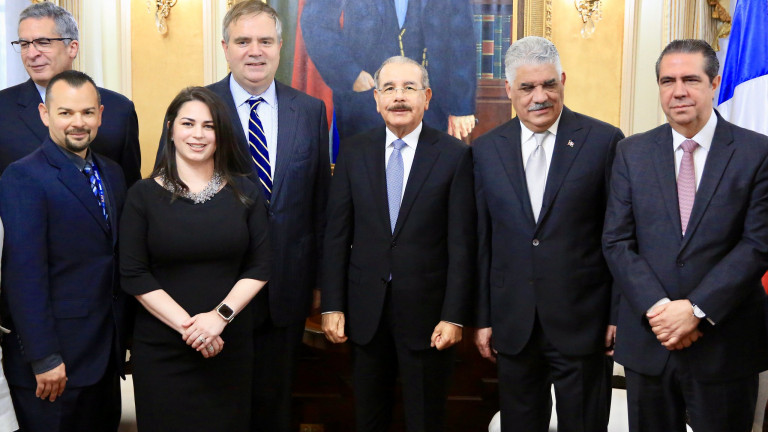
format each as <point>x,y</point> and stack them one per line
<point>257,144</point>
<point>97,187</point>
<point>686,183</point>
<point>395,172</point>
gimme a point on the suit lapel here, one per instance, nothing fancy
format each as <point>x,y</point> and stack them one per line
<point>664,163</point>
<point>221,88</point>
<point>511,157</point>
<point>28,102</point>
<point>108,182</point>
<point>568,131</point>
<point>423,160</point>
<point>76,182</point>
<point>375,165</point>
<point>720,153</point>
<point>286,131</point>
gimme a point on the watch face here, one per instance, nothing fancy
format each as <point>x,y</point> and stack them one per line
<point>226,311</point>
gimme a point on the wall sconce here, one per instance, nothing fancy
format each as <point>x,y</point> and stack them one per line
<point>161,9</point>
<point>590,14</point>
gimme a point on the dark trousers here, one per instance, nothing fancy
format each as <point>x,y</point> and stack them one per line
<point>424,375</point>
<point>78,409</point>
<point>582,388</point>
<point>275,354</point>
<point>660,403</point>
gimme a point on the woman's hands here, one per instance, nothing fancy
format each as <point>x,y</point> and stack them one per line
<point>202,333</point>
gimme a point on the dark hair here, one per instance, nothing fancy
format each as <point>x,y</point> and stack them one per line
<point>693,46</point>
<point>227,159</point>
<point>249,8</point>
<point>75,79</point>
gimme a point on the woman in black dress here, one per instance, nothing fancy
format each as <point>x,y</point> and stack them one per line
<point>194,251</point>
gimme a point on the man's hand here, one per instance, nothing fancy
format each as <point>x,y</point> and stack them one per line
<point>610,339</point>
<point>672,322</point>
<point>51,384</point>
<point>460,126</point>
<point>333,327</point>
<point>445,335</point>
<point>686,341</point>
<point>483,343</point>
<point>364,82</point>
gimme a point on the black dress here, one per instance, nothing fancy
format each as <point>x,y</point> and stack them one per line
<point>196,253</point>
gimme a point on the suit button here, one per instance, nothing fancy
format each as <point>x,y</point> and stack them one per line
<point>680,264</point>
<point>393,245</point>
<point>535,242</point>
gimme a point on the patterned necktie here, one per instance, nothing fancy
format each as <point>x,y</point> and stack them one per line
<point>97,187</point>
<point>257,144</point>
<point>686,183</point>
<point>536,174</point>
<point>395,172</point>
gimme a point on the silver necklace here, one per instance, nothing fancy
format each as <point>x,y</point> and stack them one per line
<point>213,186</point>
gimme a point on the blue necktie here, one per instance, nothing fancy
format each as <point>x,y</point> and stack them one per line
<point>401,8</point>
<point>395,172</point>
<point>97,187</point>
<point>257,144</point>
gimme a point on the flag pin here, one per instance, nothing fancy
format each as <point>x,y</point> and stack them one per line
<point>570,143</point>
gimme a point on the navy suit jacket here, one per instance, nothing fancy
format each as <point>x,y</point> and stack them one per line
<point>340,54</point>
<point>60,291</point>
<point>431,253</point>
<point>299,195</point>
<point>552,269</point>
<point>717,265</point>
<point>117,139</point>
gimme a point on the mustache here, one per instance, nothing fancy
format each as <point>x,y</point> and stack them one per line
<point>538,106</point>
<point>78,130</point>
<point>399,106</point>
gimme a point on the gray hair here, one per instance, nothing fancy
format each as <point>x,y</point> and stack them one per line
<point>66,26</point>
<point>693,46</point>
<point>248,8</point>
<point>403,60</point>
<point>530,50</point>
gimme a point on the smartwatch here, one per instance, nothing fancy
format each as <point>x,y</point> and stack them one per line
<point>225,312</point>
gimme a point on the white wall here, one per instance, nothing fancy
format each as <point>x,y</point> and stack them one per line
<point>11,69</point>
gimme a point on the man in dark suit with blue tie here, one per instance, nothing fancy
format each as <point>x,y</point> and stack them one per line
<point>293,169</point>
<point>398,268</point>
<point>60,296</point>
<point>544,298</point>
<point>48,43</point>
<point>432,32</point>
<point>687,242</point>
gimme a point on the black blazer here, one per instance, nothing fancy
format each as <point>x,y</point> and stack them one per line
<point>299,196</point>
<point>431,254</point>
<point>553,268</point>
<point>117,139</point>
<point>60,291</point>
<point>717,265</point>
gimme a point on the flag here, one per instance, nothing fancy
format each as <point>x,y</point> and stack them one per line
<point>743,98</point>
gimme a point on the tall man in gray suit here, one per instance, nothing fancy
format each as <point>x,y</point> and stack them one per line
<point>293,169</point>
<point>687,241</point>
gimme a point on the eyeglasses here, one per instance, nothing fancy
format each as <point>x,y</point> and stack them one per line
<point>407,90</point>
<point>41,44</point>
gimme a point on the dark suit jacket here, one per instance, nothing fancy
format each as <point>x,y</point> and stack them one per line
<point>299,195</point>
<point>431,254</point>
<point>340,54</point>
<point>117,139</point>
<point>60,291</point>
<point>717,265</point>
<point>553,269</point>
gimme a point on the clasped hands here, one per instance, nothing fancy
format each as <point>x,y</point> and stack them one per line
<point>674,324</point>
<point>444,336</point>
<point>202,333</point>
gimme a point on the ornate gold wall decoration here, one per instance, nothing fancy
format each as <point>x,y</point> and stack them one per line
<point>538,18</point>
<point>161,9</point>
<point>720,13</point>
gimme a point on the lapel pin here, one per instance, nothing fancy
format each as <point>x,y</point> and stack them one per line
<point>570,143</point>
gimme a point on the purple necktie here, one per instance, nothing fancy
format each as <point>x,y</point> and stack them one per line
<point>686,183</point>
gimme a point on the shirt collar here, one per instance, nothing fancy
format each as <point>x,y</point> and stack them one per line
<point>703,138</point>
<point>77,160</point>
<point>41,90</point>
<point>241,96</point>
<point>527,133</point>
<point>411,140</point>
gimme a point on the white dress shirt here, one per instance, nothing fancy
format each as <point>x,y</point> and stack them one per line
<point>266,110</point>
<point>703,139</point>
<point>408,151</point>
<point>528,142</point>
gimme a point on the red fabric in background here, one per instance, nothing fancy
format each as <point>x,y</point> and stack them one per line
<point>765,282</point>
<point>305,76</point>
